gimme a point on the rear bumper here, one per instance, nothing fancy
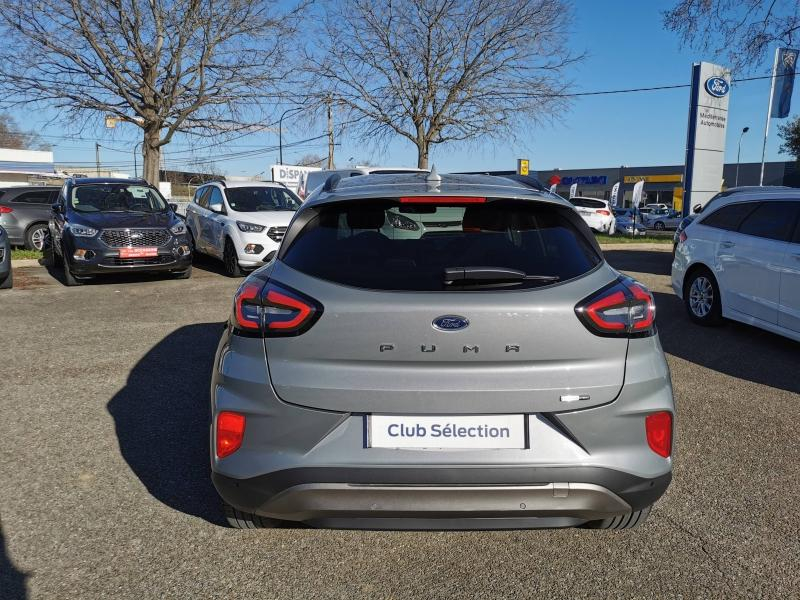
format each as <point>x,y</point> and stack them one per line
<point>442,497</point>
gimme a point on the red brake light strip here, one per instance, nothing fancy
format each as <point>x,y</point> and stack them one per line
<point>284,301</point>
<point>248,292</point>
<point>442,200</point>
<point>612,300</point>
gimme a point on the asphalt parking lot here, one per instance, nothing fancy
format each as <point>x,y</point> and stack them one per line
<point>105,490</point>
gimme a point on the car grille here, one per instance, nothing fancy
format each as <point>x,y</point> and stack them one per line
<point>276,233</point>
<point>136,262</point>
<point>133,238</point>
<point>441,224</point>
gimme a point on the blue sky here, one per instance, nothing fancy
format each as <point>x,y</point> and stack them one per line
<point>628,47</point>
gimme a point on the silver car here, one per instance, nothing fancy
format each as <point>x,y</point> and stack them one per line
<point>499,376</point>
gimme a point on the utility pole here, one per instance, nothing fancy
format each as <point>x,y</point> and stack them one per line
<point>330,134</point>
<point>97,157</point>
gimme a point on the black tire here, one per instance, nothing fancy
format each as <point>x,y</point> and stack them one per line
<point>69,278</point>
<point>701,298</point>
<point>659,226</point>
<point>626,521</point>
<point>231,260</point>
<point>244,520</point>
<point>36,236</point>
<point>8,282</point>
<point>187,274</point>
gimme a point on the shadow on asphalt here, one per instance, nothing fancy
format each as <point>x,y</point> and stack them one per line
<point>162,418</point>
<point>12,580</point>
<point>732,348</point>
<point>640,261</point>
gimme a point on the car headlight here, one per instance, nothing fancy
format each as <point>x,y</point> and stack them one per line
<point>401,222</point>
<point>249,227</point>
<point>82,231</point>
<point>178,228</point>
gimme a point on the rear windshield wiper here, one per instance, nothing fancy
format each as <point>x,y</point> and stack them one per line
<point>491,275</point>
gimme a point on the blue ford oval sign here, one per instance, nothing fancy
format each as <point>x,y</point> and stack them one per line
<point>450,323</point>
<point>717,86</point>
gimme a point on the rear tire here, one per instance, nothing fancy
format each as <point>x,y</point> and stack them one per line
<point>659,226</point>
<point>626,521</point>
<point>701,298</point>
<point>231,260</point>
<point>243,520</point>
<point>69,278</point>
<point>36,236</point>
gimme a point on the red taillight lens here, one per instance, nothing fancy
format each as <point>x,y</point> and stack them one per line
<point>246,307</point>
<point>625,308</point>
<point>230,432</point>
<point>441,200</point>
<point>5,210</point>
<point>603,212</point>
<point>683,237</point>
<point>658,427</point>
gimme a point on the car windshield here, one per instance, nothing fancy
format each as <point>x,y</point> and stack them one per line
<point>117,197</point>
<point>259,199</point>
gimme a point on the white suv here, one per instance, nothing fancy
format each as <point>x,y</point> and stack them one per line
<point>597,214</point>
<point>242,223</point>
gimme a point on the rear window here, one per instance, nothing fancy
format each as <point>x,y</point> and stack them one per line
<point>587,203</point>
<point>385,245</point>
<point>261,199</point>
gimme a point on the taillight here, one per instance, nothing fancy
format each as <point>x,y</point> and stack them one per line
<point>658,428</point>
<point>230,432</point>
<point>273,310</point>
<point>603,212</point>
<point>441,200</point>
<point>623,309</point>
<point>683,237</point>
<point>5,209</point>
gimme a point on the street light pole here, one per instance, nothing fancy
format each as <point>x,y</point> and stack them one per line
<point>135,164</point>
<point>280,131</point>
<point>739,153</point>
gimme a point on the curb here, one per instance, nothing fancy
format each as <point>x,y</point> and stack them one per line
<point>25,262</point>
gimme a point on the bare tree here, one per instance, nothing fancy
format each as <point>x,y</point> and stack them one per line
<point>12,137</point>
<point>311,160</point>
<point>742,31</point>
<point>166,66</point>
<point>438,71</point>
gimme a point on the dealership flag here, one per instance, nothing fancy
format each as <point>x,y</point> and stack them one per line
<point>783,82</point>
<point>553,188</point>
<point>614,193</point>
<point>637,193</point>
<point>573,190</point>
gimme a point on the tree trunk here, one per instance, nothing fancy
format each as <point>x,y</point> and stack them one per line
<point>152,155</point>
<point>422,156</point>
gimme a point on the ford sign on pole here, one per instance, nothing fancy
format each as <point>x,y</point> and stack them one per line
<point>705,135</point>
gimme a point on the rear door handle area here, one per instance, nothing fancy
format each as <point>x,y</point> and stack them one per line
<point>727,244</point>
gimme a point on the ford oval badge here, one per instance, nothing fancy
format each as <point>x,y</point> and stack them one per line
<point>450,323</point>
<point>717,86</point>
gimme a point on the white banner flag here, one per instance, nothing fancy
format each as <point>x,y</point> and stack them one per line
<point>637,193</point>
<point>553,188</point>
<point>573,190</point>
<point>614,194</point>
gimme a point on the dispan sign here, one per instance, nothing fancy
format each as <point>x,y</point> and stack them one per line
<point>289,175</point>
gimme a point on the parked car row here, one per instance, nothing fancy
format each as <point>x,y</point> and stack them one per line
<point>25,213</point>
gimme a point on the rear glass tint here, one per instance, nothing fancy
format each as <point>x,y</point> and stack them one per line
<point>729,217</point>
<point>587,203</point>
<point>384,245</point>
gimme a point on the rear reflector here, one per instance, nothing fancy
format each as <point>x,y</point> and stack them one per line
<point>623,309</point>
<point>230,432</point>
<point>658,427</point>
<point>441,200</point>
<point>5,210</point>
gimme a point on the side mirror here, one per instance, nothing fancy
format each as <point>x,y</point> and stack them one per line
<point>56,208</point>
<point>217,208</point>
<point>697,208</point>
<point>173,206</point>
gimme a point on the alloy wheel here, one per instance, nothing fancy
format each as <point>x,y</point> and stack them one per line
<point>38,237</point>
<point>701,296</point>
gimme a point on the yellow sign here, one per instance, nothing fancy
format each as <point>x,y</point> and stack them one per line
<point>654,178</point>
<point>522,166</point>
<point>677,198</point>
<point>111,122</point>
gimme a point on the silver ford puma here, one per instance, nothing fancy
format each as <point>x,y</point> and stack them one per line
<point>497,374</point>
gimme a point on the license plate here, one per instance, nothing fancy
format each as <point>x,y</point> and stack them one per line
<point>467,431</point>
<point>138,252</point>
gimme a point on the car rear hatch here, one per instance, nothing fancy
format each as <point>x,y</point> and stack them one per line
<point>397,335</point>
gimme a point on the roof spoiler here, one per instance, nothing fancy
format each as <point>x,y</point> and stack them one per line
<point>331,182</point>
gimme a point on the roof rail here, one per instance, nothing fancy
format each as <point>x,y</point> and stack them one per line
<point>219,181</point>
<point>331,182</point>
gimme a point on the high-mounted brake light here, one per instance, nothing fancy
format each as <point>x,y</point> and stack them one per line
<point>5,210</point>
<point>622,309</point>
<point>230,433</point>
<point>658,428</point>
<point>441,200</point>
<point>273,310</point>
